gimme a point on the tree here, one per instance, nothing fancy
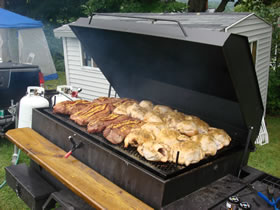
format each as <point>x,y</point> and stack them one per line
<point>202,5</point>
<point>222,5</point>
<point>133,6</point>
<point>2,3</point>
<point>197,5</point>
<point>51,12</point>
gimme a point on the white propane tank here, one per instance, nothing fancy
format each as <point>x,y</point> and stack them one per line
<point>65,94</point>
<point>33,99</point>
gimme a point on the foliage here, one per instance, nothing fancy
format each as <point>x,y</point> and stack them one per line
<point>215,4</point>
<point>50,12</point>
<point>273,102</point>
<point>270,13</point>
<point>156,6</point>
<point>136,6</point>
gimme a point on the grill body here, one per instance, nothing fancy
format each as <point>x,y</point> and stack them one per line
<point>141,178</point>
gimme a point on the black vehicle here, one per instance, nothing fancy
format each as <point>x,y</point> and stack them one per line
<point>14,80</point>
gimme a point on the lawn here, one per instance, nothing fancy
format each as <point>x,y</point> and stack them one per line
<point>8,198</point>
<point>266,158</point>
<point>53,83</point>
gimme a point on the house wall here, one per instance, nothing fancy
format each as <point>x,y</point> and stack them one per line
<point>91,80</point>
<point>257,30</point>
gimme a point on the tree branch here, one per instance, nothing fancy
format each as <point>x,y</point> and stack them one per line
<point>222,6</point>
<point>197,5</point>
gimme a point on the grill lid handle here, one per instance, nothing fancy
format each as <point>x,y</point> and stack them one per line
<point>144,18</point>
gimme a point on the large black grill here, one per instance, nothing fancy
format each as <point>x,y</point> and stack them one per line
<point>203,73</point>
<point>157,184</point>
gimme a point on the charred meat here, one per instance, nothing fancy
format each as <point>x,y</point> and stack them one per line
<point>116,132</point>
<point>93,112</point>
<point>99,124</point>
<point>70,107</point>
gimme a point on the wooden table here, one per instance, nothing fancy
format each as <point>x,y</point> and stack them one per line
<point>95,189</point>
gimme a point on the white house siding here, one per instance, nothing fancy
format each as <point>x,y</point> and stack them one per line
<point>257,30</point>
<point>91,80</point>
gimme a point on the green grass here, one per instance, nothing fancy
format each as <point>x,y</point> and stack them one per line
<point>267,157</point>
<point>8,198</point>
<point>51,84</point>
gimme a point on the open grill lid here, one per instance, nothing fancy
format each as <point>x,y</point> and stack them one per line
<point>200,72</point>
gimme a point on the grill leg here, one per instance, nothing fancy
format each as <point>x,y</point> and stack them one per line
<point>15,155</point>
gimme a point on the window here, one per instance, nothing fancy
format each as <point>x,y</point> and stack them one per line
<point>253,46</point>
<point>87,60</point>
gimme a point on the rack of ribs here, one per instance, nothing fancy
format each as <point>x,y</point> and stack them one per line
<point>70,107</point>
<point>99,124</point>
<point>116,132</point>
<point>91,112</point>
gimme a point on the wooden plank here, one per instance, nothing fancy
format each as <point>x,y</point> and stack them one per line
<point>98,191</point>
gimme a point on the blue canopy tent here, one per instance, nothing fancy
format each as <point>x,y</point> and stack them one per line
<point>22,40</point>
<point>12,20</point>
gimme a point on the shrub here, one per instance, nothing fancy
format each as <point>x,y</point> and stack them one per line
<point>273,98</point>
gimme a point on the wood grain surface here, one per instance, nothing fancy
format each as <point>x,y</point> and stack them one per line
<point>98,191</point>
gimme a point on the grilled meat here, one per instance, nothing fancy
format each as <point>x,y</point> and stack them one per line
<point>99,124</point>
<point>77,106</point>
<point>70,107</point>
<point>158,132</point>
<point>60,108</point>
<point>93,112</point>
<point>154,127</point>
<point>137,137</point>
<point>106,100</point>
<point>83,111</point>
<point>220,137</point>
<point>154,151</point>
<point>161,109</point>
<point>206,142</point>
<point>152,117</point>
<point>187,127</point>
<point>122,108</point>
<point>202,126</point>
<point>173,118</point>
<point>113,101</point>
<point>189,152</point>
<point>136,111</point>
<point>148,105</point>
<point>170,137</point>
<point>116,132</point>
